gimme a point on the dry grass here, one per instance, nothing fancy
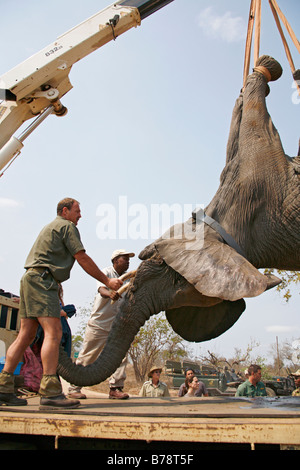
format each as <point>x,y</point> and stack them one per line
<point>131,385</point>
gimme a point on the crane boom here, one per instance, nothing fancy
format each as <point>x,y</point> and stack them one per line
<point>35,87</point>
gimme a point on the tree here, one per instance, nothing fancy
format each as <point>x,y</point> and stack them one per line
<point>284,356</point>
<point>287,278</point>
<point>240,358</point>
<point>154,343</point>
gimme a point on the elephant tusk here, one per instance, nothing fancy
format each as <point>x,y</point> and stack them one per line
<point>129,275</point>
<point>121,291</point>
<point>124,288</point>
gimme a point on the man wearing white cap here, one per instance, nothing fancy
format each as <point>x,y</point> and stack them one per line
<point>99,325</point>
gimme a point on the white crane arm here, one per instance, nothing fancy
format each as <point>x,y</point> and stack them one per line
<point>36,86</point>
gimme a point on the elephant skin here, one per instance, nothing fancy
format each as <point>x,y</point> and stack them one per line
<point>197,278</point>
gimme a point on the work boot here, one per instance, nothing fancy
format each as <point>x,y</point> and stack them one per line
<point>11,399</point>
<point>7,389</point>
<point>58,402</point>
<point>117,393</point>
<point>50,386</point>
<point>52,397</point>
<point>7,382</point>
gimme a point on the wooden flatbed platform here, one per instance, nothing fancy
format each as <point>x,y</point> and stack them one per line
<point>167,423</point>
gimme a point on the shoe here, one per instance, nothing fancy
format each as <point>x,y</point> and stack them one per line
<point>11,399</point>
<point>118,394</point>
<point>58,402</point>
<point>77,395</point>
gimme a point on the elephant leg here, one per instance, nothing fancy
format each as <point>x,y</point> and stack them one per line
<point>258,134</point>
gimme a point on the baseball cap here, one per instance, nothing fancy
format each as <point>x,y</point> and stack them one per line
<point>121,253</point>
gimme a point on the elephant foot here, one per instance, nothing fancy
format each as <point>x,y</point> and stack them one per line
<point>296,75</point>
<point>268,67</point>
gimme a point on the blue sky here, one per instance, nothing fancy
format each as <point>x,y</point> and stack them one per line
<point>147,124</point>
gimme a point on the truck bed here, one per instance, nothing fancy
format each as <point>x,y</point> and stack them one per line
<point>159,423</point>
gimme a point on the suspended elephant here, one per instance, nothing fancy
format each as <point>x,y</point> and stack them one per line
<point>200,271</point>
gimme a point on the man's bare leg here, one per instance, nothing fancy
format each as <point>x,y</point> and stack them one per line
<point>50,347</point>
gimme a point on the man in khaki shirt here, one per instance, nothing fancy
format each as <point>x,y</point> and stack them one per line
<point>49,262</point>
<point>154,387</point>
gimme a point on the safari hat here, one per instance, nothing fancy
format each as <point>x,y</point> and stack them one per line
<point>121,253</point>
<point>297,373</point>
<point>153,369</point>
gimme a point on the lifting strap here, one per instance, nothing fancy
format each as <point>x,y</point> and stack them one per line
<point>200,216</point>
<point>255,14</point>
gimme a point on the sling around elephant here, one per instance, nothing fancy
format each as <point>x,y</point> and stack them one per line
<point>197,278</point>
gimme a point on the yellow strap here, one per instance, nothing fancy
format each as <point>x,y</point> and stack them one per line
<point>286,24</point>
<point>276,11</point>
<point>257,30</point>
<point>249,40</point>
<point>255,14</point>
<point>263,70</point>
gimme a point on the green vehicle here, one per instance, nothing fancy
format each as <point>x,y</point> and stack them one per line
<point>280,386</point>
<point>224,382</point>
<point>214,380</point>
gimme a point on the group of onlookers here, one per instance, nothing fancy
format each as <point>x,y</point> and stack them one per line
<point>193,387</point>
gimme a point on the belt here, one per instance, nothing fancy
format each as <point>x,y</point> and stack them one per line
<point>39,270</point>
<point>42,271</point>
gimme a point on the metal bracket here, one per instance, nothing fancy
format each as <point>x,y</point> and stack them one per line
<point>51,95</point>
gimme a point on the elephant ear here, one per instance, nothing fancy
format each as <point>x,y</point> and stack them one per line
<point>205,323</point>
<point>215,269</point>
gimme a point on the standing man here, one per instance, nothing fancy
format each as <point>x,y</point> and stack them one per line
<point>183,389</point>
<point>252,387</point>
<point>99,325</point>
<point>49,263</point>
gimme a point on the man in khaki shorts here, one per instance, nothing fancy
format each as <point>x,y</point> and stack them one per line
<point>49,262</point>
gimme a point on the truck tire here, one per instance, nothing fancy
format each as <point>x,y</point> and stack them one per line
<point>270,392</point>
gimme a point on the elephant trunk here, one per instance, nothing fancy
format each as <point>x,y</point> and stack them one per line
<point>147,295</point>
<point>125,326</point>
